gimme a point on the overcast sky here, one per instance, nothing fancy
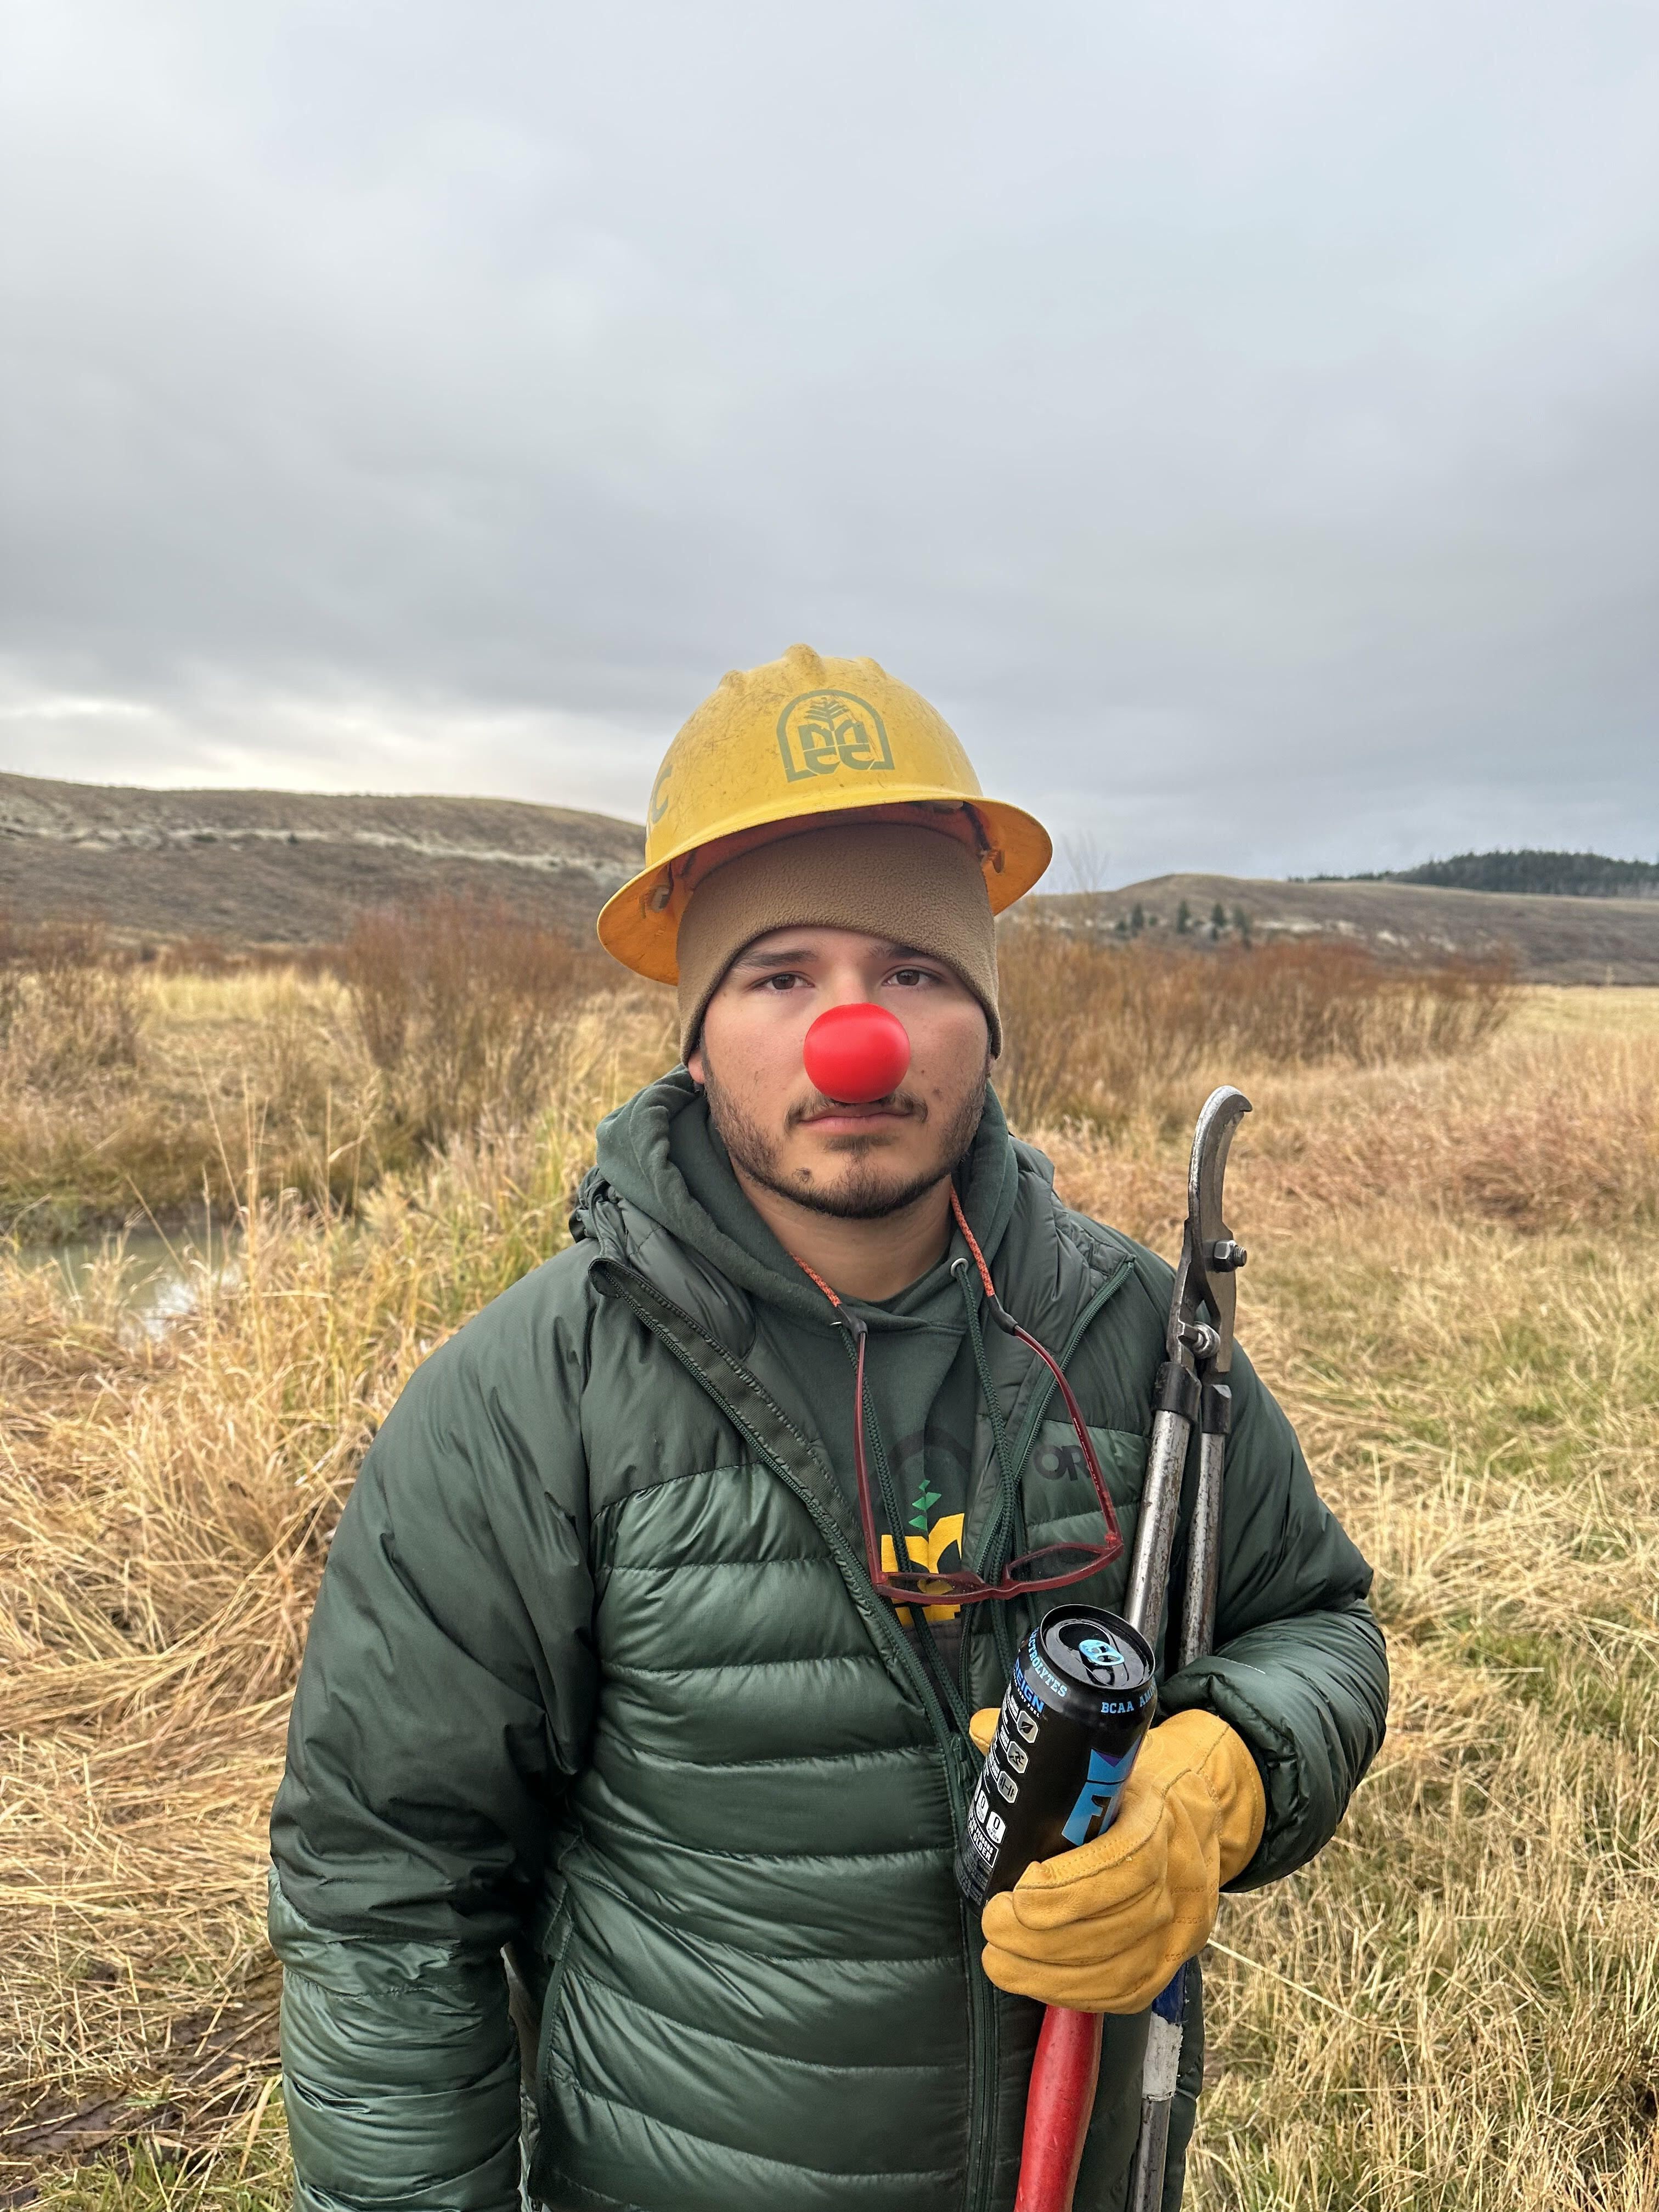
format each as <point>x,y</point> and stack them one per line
<point>1241,420</point>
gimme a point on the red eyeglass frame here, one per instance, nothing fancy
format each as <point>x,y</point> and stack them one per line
<point>961,1586</point>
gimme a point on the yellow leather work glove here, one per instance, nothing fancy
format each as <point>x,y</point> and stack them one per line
<point>1103,1928</point>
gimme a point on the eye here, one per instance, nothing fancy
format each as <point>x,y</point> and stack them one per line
<point>908,978</point>
<point>782,981</point>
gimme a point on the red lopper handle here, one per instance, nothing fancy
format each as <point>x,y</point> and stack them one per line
<point>1058,2105</point>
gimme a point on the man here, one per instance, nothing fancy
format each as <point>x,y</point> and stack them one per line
<point>602,1701</point>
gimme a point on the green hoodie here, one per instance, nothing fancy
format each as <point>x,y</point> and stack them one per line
<point>921,1382</point>
<point>596,1676</point>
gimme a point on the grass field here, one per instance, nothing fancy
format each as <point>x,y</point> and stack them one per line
<point>1454,1288</point>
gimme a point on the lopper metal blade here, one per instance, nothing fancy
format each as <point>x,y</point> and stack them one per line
<point>1211,1256</point>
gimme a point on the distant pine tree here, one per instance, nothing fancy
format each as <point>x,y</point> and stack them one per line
<point>1570,875</point>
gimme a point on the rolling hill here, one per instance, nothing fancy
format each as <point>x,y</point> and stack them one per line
<point>276,868</point>
<point>273,867</point>
<point>1553,940</point>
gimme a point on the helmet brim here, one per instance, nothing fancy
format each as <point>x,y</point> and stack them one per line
<point>640,925</point>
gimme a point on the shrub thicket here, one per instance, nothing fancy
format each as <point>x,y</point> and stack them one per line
<point>70,1011</point>
<point>1098,1033</point>
<point>461,1006</point>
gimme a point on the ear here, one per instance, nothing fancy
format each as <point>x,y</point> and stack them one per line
<point>694,1065</point>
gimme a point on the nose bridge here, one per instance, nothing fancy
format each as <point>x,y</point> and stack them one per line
<point>851,977</point>
<point>849,993</point>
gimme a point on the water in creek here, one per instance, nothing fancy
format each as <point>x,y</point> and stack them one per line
<point>152,1277</point>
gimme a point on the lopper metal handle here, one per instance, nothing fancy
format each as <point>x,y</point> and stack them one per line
<point>1058,2105</point>
<point>1163,2032</point>
<point>1061,2095</point>
<point>1203,1552</point>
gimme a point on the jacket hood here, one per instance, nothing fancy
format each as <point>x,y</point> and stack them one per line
<point>662,1168</point>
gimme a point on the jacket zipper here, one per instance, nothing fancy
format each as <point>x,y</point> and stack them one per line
<point>985,2081</point>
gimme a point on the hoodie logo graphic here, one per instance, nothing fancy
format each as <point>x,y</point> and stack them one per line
<point>927,1551</point>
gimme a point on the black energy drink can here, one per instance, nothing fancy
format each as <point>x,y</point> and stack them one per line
<point>1073,1717</point>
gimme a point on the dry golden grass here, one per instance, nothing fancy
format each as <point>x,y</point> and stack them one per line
<point>270,1055</point>
<point>1453,1291</point>
<point>1459,2003</point>
<point>130,1093</point>
<point>1545,1131</point>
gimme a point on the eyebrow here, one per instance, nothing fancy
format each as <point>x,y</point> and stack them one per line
<point>798,955</point>
<point>792,956</point>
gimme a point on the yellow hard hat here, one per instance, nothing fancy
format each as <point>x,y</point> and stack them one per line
<point>774,747</point>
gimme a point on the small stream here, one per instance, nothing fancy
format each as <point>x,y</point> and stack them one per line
<point>155,1277</point>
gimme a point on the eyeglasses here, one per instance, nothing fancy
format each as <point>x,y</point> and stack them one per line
<point>1052,1566</point>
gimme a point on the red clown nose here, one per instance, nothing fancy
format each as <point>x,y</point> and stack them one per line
<point>855,1053</point>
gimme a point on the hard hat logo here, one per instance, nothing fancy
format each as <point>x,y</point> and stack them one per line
<point>823,730</point>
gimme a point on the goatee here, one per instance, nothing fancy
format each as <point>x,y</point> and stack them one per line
<point>866,1192</point>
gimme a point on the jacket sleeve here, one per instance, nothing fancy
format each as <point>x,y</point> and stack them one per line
<point>445,1700</point>
<point>1299,1669</point>
<point>400,2072</point>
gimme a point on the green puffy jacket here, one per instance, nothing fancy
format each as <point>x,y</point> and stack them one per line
<point>608,1773</point>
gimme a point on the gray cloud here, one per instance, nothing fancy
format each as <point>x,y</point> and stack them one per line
<point>1241,420</point>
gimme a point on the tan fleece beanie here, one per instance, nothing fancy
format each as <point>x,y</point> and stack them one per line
<point>922,888</point>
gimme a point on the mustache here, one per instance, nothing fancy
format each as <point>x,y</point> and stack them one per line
<point>895,1102</point>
